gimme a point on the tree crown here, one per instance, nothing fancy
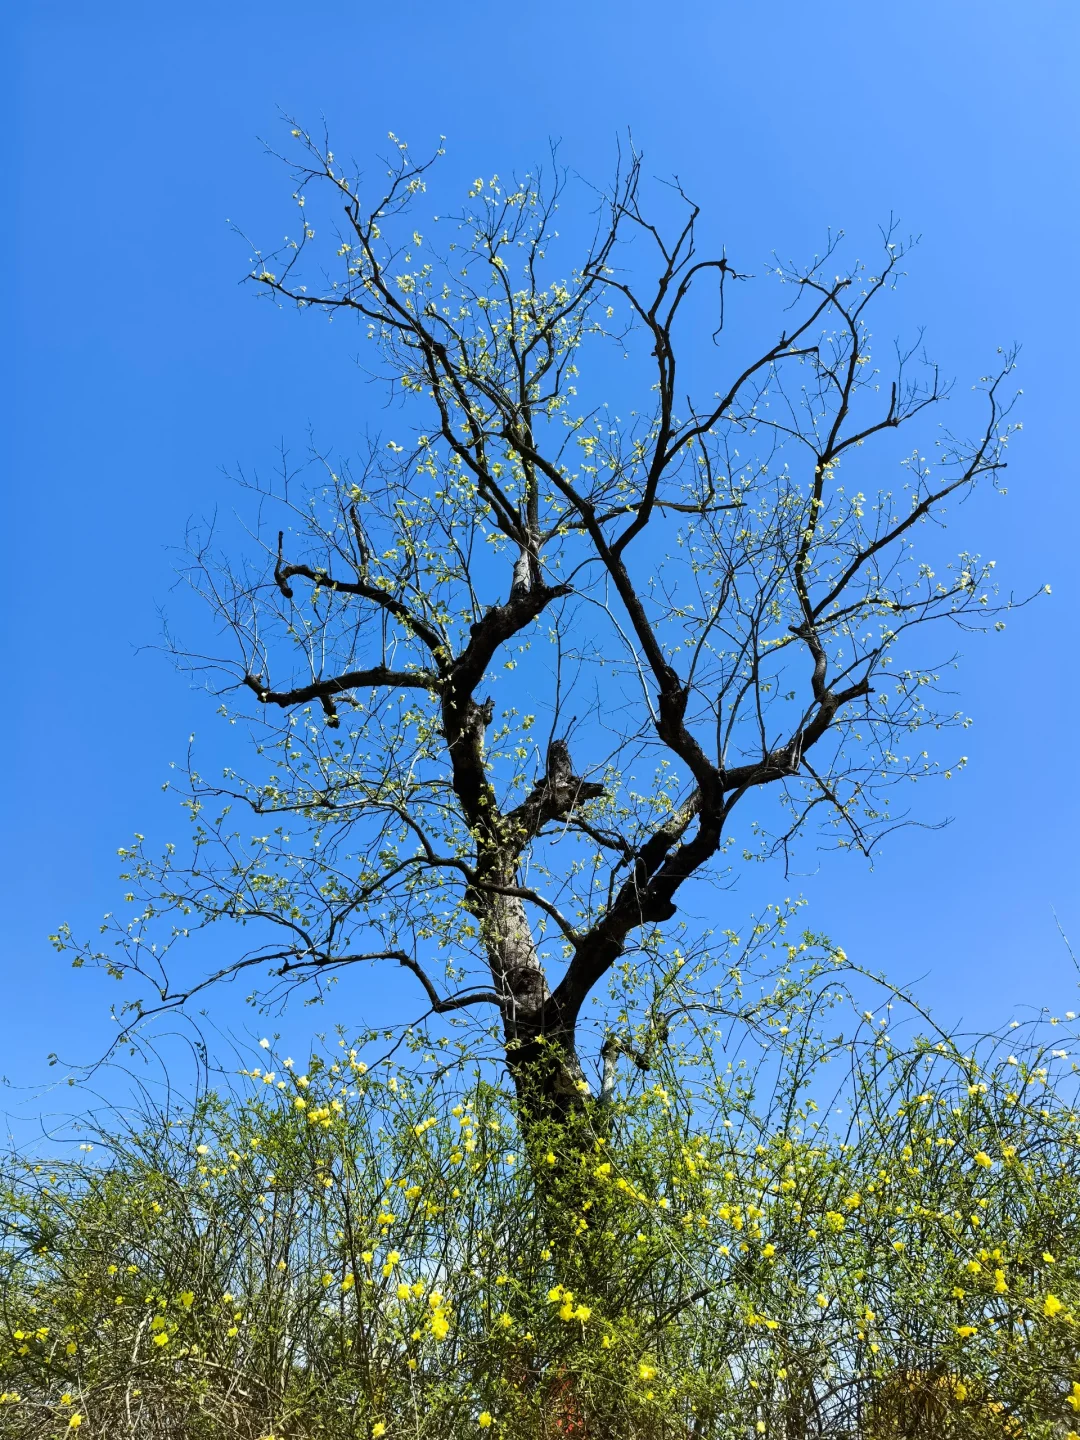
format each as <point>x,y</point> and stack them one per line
<point>516,666</point>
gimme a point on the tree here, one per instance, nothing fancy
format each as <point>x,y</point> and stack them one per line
<point>616,578</point>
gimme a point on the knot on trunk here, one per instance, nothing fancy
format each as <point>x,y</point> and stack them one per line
<point>563,788</point>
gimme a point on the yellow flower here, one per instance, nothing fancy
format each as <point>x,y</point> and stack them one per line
<point>769,1251</point>
<point>484,1419</point>
<point>1074,1398</point>
<point>983,1159</point>
<point>378,1429</point>
<point>161,1338</point>
<point>440,1325</point>
<point>66,1400</point>
<point>964,1331</point>
<point>646,1372</point>
<point>75,1421</point>
<point>1052,1305</point>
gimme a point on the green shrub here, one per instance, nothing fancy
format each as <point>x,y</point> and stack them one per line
<point>354,1251</point>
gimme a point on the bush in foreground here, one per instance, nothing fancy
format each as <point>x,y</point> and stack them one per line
<point>354,1247</point>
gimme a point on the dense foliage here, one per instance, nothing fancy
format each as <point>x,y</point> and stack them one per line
<point>769,1232</point>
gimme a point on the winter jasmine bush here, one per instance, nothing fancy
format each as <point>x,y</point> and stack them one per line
<point>767,1232</point>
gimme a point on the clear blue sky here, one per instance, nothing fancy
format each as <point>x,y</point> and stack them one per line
<point>139,369</point>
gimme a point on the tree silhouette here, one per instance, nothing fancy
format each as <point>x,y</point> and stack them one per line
<point>516,668</point>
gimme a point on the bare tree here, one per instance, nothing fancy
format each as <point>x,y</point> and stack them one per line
<point>516,668</point>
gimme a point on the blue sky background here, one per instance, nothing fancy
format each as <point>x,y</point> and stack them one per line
<point>138,368</point>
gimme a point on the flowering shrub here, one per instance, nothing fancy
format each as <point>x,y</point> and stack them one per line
<point>716,1252</point>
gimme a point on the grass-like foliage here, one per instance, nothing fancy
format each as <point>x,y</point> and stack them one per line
<point>785,1227</point>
